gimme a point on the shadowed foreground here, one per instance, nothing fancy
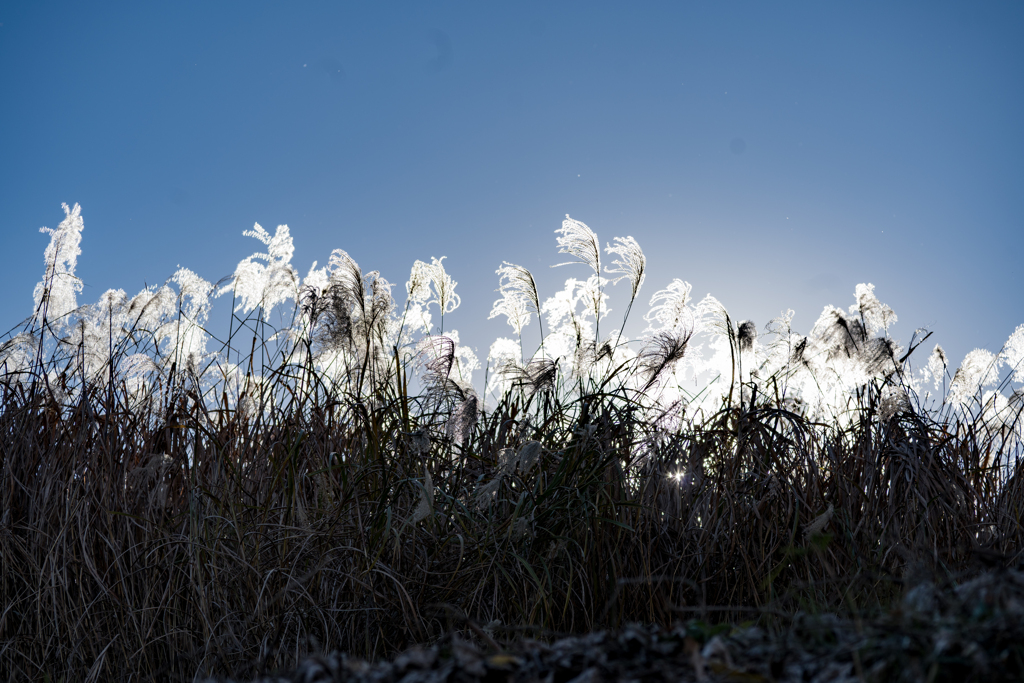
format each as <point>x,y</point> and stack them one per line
<point>215,544</point>
<point>974,632</point>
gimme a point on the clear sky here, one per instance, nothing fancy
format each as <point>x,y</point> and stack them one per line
<point>772,154</point>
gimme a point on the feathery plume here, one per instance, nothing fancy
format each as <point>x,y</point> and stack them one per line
<point>193,302</point>
<point>418,286</point>
<point>518,296</point>
<point>150,309</point>
<point>877,356</point>
<point>782,325</point>
<point>465,363</point>
<point>443,284</point>
<point>805,355</point>
<point>1013,353</point>
<point>16,355</point>
<point>503,350</point>
<point>594,298</point>
<point>193,294</point>
<point>437,357</point>
<point>527,456</point>
<point>265,279</point>
<point>669,307</point>
<point>518,281</point>
<point>838,335</point>
<point>346,279</point>
<point>137,365</point>
<point>1001,421</point>
<point>311,293</point>
<point>313,302</point>
<point>426,504</point>
<point>537,375</point>
<point>347,295</point>
<point>631,264</point>
<point>503,355</point>
<point>746,335</point>
<point>137,371</point>
<point>875,315</point>
<point>515,310</point>
<point>416,316</point>
<point>55,294</point>
<point>661,354</point>
<point>357,312</point>
<point>937,364</point>
<point>979,370</point>
<point>580,241</point>
<point>711,314</point>
<point>463,419</point>
<point>96,332</point>
<point>562,305</point>
<point>893,400</point>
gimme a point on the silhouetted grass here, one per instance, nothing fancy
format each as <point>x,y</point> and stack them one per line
<point>197,538</point>
<point>160,524</point>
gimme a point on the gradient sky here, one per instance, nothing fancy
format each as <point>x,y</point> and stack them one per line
<point>772,154</point>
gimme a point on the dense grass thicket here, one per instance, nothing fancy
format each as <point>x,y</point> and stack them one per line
<point>328,476</point>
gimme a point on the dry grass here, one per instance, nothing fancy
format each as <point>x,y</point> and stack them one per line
<point>168,512</point>
<point>189,538</point>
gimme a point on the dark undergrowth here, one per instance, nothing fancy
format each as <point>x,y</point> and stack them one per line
<point>200,540</point>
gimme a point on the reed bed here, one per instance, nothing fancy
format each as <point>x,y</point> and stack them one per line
<point>336,482</point>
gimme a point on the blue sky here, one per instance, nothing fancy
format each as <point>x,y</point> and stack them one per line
<point>772,154</point>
